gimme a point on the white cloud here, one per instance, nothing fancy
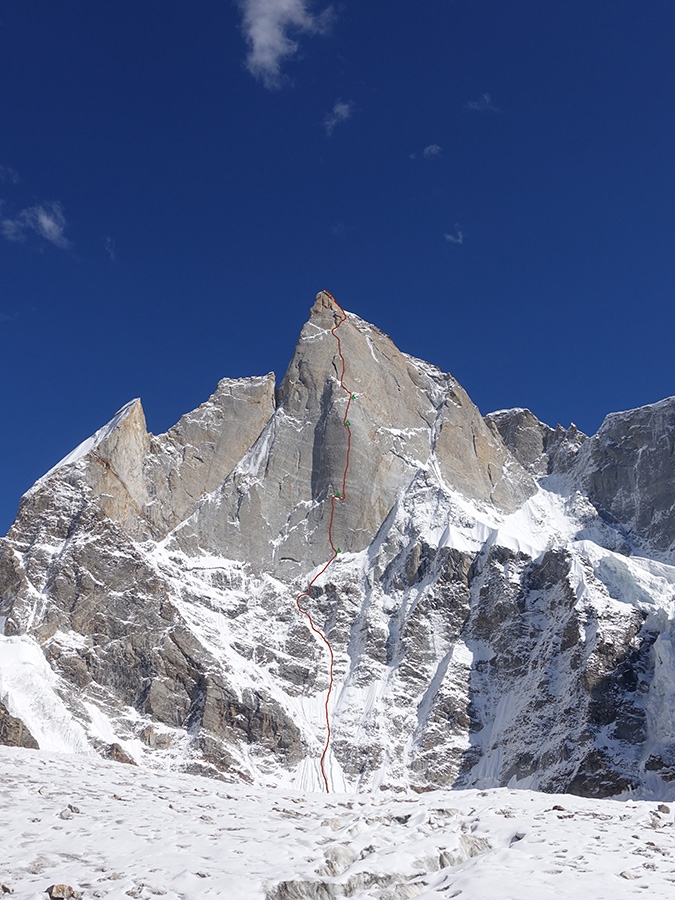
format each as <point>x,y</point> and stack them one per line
<point>431,151</point>
<point>110,248</point>
<point>484,104</point>
<point>45,219</point>
<point>342,110</point>
<point>268,25</point>
<point>9,174</point>
<point>456,238</point>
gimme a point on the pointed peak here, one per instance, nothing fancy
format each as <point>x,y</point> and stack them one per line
<point>133,411</point>
<point>324,302</point>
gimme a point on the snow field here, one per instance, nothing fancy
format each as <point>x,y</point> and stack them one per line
<point>116,831</point>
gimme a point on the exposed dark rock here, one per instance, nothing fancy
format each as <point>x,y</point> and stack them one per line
<point>628,470</point>
<point>13,732</point>
<point>597,776</point>
<point>62,892</point>
<point>539,448</point>
<point>119,754</point>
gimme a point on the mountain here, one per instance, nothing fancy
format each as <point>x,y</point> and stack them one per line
<point>499,612</point>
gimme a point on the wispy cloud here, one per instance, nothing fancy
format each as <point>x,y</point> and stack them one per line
<point>110,248</point>
<point>8,317</point>
<point>456,238</point>
<point>44,219</point>
<point>485,104</point>
<point>271,28</point>
<point>432,151</point>
<point>9,174</point>
<point>342,110</point>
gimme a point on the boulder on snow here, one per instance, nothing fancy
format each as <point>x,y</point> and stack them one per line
<point>62,892</point>
<point>117,752</point>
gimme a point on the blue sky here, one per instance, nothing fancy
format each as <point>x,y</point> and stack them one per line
<point>490,183</point>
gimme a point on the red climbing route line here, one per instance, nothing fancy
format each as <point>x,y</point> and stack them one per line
<point>336,496</point>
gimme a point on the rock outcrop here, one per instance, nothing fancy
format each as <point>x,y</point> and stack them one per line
<point>628,472</point>
<point>537,447</point>
<point>13,732</point>
<point>490,617</point>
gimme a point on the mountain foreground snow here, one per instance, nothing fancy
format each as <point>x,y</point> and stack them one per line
<point>115,831</point>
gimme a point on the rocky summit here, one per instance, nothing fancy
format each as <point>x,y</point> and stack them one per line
<point>500,611</point>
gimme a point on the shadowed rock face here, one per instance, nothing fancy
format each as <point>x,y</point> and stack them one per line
<point>569,678</point>
<point>628,471</point>
<point>537,447</point>
<point>485,630</point>
<point>13,732</point>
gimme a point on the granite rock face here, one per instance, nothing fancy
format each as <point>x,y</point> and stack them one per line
<point>500,611</point>
<point>537,447</point>
<point>628,472</point>
<point>405,413</point>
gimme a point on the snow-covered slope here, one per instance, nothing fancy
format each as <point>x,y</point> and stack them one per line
<point>494,620</point>
<point>115,831</point>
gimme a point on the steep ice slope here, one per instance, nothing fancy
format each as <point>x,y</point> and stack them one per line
<point>489,623</point>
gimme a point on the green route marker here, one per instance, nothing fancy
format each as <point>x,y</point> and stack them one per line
<point>347,423</point>
<point>353,396</point>
<point>338,550</point>
<point>336,495</point>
